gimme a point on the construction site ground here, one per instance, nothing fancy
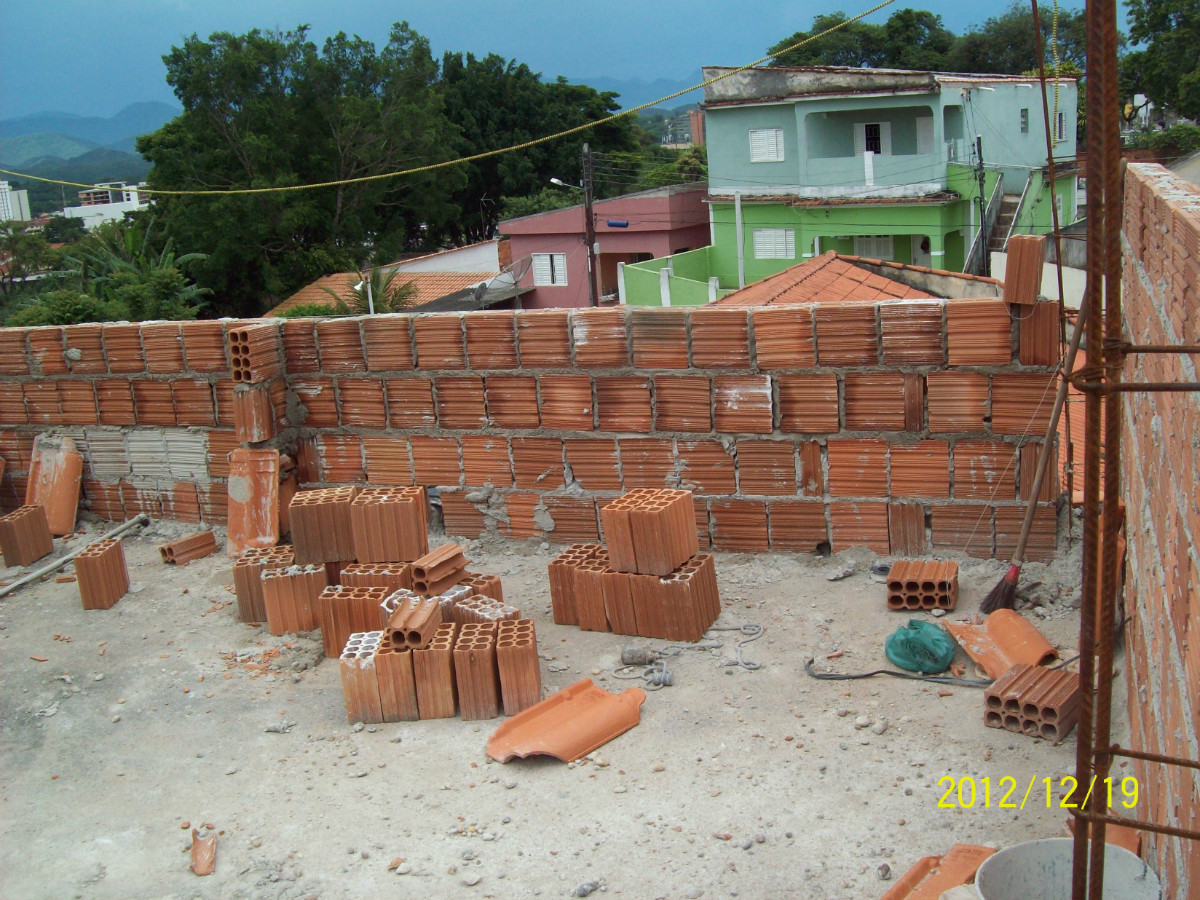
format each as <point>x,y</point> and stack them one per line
<point>166,713</point>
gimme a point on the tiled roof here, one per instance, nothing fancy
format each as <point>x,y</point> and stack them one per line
<point>828,278</point>
<point>430,286</point>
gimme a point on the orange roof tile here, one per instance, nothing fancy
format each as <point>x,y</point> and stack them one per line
<point>828,278</point>
<point>430,286</point>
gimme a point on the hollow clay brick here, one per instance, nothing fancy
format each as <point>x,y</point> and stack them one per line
<point>660,338</point>
<point>322,529</point>
<point>123,349</point>
<point>978,333</point>
<point>593,463</point>
<point>538,463</point>
<point>204,347</point>
<point>649,532</point>
<point>912,333</point>
<point>476,672</point>
<point>808,403</point>
<point>339,345</point>
<point>623,403</point>
<point>434,568</point>
<point>512,401</point>
<point>682,403</point>
<point>600,338</point>
<point>646,462</point>
<point>797,525</point>
<point>874,401</point>
<point>460,401</point>
<point>25,536</point>
<point>254,353</point>
<point>906,528</point>
<point>739,525</point>
<point>360,681</point>
<point>397,682</point>
<point>433,671</point>
<point>389,524</point>
<point>783,337</point>
<point>720,338</point>
<point>485,461</point>
<point>742,404</point>
<point>196,546</point>
<point>247,579</point>
<point>519,668</point>
<point>491,340</point>
<point>706,467</point>
<point>766,467</point>
<point>859,524</point>
<point>300,346</point>
<point>342,610</point>
<point>290,597</point>
<point>387,342</point>
<point>46,350</point>
<point>847,335</point>
<point>439,340</point>
<point>543,340</point>
<point>566,402</point>
<point>361,403</point>
<point>101,574</point>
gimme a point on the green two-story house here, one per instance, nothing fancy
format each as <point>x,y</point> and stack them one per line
<point>924,168</point>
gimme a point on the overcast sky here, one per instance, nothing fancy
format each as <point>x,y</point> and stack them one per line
<point>93,57</point>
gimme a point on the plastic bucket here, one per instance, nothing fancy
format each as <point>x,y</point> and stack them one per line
<point>1041,870</point>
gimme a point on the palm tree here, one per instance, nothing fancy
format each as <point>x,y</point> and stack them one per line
<point>386,293</point>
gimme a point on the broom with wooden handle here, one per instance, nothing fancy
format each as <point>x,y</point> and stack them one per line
<point>1003,595</point>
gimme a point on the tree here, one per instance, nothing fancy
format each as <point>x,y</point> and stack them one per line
<point>910,39</point>
<point>1006,44</point>
<point>63,230</point>
<point>27,254</point>
<point>379,291</point>
<point>499,103</point>
<point>122,264</point>
<point>1168,66</point>
<point>64,307</point>
<point>268,110</point>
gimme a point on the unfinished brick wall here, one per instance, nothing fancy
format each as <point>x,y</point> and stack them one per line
<point>901,425</point>
<point>1160,475</point>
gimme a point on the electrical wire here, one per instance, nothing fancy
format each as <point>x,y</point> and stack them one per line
<point>487,154</point>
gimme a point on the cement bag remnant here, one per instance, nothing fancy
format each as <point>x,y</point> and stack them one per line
<point>920,647</point>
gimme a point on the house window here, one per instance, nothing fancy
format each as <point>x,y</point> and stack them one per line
<point>774,243</point>
<point>873,137</point>
<point>1025,121</point>
<point>874,246</point>
<point>1060,127</point>
<point>874,141</point>
<point>766,145</point>
<point>549,269</point>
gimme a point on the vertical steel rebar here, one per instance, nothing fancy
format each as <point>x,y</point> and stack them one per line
<point>1091,487</point>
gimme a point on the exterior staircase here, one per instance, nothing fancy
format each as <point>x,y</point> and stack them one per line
<point>1009,206</point>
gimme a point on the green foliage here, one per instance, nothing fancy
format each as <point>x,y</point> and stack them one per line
<point>64,307</point>
<point>1177,141</point>
<point>126,265</point>
<point>1168,68</point>
<point>63,230</point>
<point>910,39</point>
<point>310,311</point>
<point>386,294</point>
<point>27,255</point>
<point>497,103</point>
<point>916,39</point>
<point>545,200</point>
<point>268,109</point>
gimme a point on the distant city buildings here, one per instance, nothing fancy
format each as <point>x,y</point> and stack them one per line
<point>14,205</point>
<point>107,202</point>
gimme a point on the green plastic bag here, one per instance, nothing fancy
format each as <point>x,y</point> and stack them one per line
<point>920,647</point>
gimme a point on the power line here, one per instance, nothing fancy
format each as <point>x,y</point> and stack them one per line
<point>487,154</point>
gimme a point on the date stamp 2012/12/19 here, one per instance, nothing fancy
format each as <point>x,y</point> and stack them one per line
<point>1005,793</point>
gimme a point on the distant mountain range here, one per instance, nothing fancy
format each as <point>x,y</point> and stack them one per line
<point>636,91</point>
<point>80,149</point>
<point>56,136</point>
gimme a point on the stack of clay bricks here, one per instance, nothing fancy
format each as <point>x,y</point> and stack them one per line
<point>25,536</point>
<point>290,597</point>
<point>649,581</point>
<point>922,584</point>
<point>184,550</point>
<point>389,524</point>
<point>321,525</point>
<point>1034,700</point>
<point>247,578</point>
<point>422,667</point>
<point>390,575</point>
<point>101,574</point>
<point>343,611</point>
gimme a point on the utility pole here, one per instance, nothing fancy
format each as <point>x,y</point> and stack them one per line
<point>589,225</point>
<point>984,231</point>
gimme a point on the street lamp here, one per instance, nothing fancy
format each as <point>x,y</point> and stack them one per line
<point>366,279</point>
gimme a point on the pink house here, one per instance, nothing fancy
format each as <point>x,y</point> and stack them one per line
<point>551,249</point>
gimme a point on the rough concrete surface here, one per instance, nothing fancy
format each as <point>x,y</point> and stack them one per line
<point>165,714</point>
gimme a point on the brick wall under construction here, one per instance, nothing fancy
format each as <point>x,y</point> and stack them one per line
<point>903,426</point>
<point>1161,457</point>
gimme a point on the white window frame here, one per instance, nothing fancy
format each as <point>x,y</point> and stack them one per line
<point>1060,127</point>
<point>549,269</point>
<point>869,246</point>
<point>774,243</point>
<point>766,145</point>
<point>1025,120</point>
